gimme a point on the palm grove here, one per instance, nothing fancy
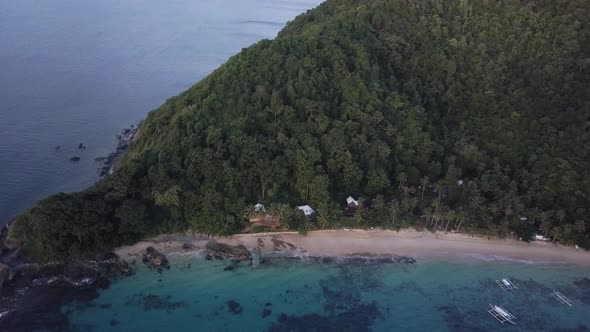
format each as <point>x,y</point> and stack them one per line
<point>480,105</point>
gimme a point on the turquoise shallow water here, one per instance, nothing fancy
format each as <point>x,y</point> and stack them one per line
<point>287,295</point>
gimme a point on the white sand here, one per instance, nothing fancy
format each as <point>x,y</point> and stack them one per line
<point>420,245</point>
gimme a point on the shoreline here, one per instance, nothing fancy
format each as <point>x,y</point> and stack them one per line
<point>423,246</point>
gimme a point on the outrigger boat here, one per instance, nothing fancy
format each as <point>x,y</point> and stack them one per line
<point>506,284</point>
<point>562,298</point>
<point>501,314</point>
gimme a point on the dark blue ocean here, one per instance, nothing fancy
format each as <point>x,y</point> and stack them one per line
<point>80,71</point>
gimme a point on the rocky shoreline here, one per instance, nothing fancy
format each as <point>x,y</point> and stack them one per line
<point>124,141</point>
<point>32,295</point>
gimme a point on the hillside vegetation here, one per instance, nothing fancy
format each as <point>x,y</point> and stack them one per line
<point>482,106</point>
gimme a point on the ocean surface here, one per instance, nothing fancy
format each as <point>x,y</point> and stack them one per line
<point>335,295</point>
<point>80,71</point>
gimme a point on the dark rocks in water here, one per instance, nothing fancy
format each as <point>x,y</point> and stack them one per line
<point>583,290</point>
<point>113,322</point>
<point>57,147</point>
<point>126,131</point>
<point>81,146</point>
<point>268,304</point>
<point>359,318</point>
<point>154,259</point>
<point>106,306</point>
<point>75,158</point>
<point>234,265</point>
<point>238,252</point>
<point>579,328</point>
<point>6,274</point>
<point>266,312</point>
<point>100,158</point>
<point>37,292</point>
<point>154,302</point>
<point>583,283</point>
<point>234,307</point>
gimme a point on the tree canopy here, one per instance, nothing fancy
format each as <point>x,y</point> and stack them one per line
<point>481,105</point>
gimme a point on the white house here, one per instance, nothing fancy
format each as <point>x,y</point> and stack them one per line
<point>259,208</point>
<point>541,238</point>
<point>352,202</point>
<point>306,209</point>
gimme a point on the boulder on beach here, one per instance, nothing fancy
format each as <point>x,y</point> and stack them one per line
<point>154,259</point>
<point>238,252</point>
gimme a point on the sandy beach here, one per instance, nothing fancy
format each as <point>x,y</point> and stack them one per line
<point>423,246</point>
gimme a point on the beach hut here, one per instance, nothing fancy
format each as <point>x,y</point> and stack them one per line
<point>307,210</point>
<point>351,202</point>
<point>541,238</point>
<point>260,208</point>
<point>351,206</point>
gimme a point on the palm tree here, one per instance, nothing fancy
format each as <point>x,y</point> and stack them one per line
<point>450,216</point>
<point>560,215</point>
<point>427,215</point>
<point>567,231</point>
<point>249,212</point>
<point>393,210</point>
<point>323,216</point>
<point>280,211</point>
<point>402,178</point>
<point>545,227</point>
<point>580,226</point>
<point>545,222</point>
<point>557,233</point>
<point>460,218</point>
<point>424,182</point>
<point>413,203</point>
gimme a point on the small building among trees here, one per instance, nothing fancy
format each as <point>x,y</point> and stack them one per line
<point>260,218</point>
<point>351,206</point>
<point>307,210</point>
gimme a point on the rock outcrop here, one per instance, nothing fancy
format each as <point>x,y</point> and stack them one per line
<point>6,274</point>
<point>154,259</point>
<point>220,250</point>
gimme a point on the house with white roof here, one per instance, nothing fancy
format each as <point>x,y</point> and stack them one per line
<point>351,202</point>
<point>307,210</point>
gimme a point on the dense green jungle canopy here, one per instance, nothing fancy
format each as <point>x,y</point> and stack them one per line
<point>480,107</point>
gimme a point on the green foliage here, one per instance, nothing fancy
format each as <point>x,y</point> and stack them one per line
<point>363,97</point>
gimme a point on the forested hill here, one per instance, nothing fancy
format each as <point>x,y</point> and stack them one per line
<point>482,107</point>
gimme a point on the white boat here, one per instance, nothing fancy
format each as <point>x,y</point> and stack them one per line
<point>506,284</point>
<point>562,298</point>
<point>501,314</point>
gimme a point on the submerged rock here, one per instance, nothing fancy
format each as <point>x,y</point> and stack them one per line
<point>234,307</point>
<point>75,159</point>
<point>238,252</point>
